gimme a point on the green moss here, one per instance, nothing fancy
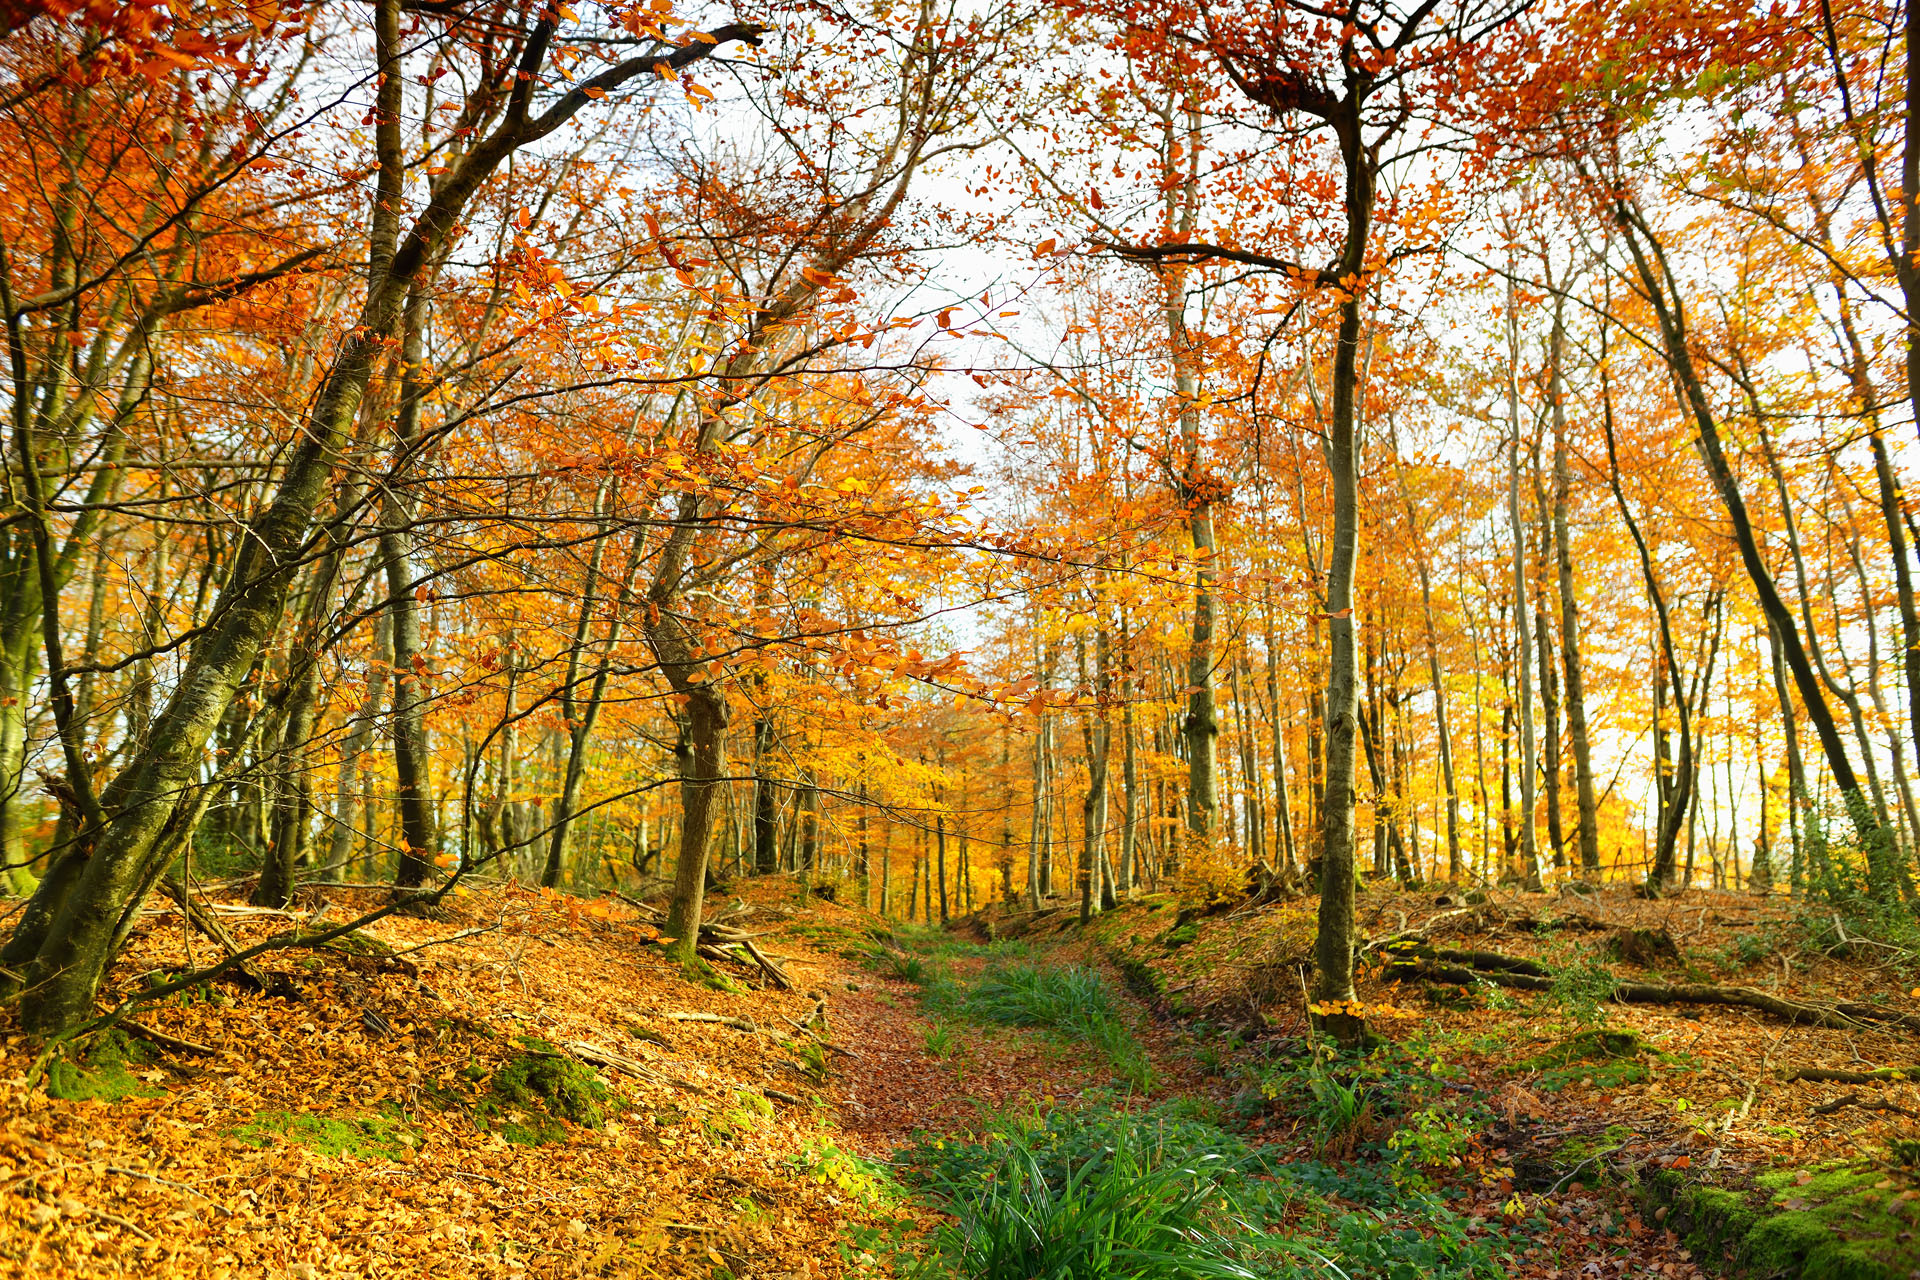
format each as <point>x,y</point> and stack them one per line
<point>1840,1224</point>
<point>360,943</point>
<point>1141,978</point>
<point>1597,1043</point>
<point>385,1135</point>
<point>1610,1059</point>
<point>102,1072</point>
<point>1181,935</point>
<point>1574,1151</point>
<point>749,1111</point>
<point>534,1092</point>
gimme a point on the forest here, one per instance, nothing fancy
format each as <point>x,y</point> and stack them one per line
<point>952,462</point>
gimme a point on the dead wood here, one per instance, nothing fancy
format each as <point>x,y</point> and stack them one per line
<point>1845,1016</point>
<point>1646,948</point>
<point>209,924</point>
<point>1865,1104</point>
<point>164,1040</point>
<point>600,1057</point>
<point>775,974</point>
<point>1829,1075</point>
<point>725,1020</point>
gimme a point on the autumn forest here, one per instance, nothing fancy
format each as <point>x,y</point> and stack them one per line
<point>947,454</point>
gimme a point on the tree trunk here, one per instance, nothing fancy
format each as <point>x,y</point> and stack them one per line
<point>1662,292</point>
<point>1578,740</point>
<point>1523,659</point>
<point>1673,790</point>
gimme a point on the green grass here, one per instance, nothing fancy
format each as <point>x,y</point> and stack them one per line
<point>1068,999</point>
<point>942,1040</point>
<point>1101,1193</point>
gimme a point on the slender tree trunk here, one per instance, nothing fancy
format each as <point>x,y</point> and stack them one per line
<point>1523,660</point>
<point>1661,290</point>
<point>1578,740</point>
<point>1675,790</point>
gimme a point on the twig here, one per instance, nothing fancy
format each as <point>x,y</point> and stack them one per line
<point>452,937</point>
<point>119,1221</point>
<point>164,1040</point>
<point>787,1098</point>
<point>154,1177</point>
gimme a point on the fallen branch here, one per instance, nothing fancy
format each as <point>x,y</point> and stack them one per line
<point>1865,1104</point>
<point>1486,961</point>
<point>1418,931</point>
<point>1830,1075</point>
<point>119,1221</point>
<point>209,924</point>
<point>818,1039</point>
<point>440,942</point>
<point>725,1020</point>
<point>1843,1017</point>
<point>787,1098</point>
<point>775,974</point>
<point>164,1040</point>
<point>608,1058</point>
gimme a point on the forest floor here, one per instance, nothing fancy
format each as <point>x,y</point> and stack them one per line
<point>527,1087</point>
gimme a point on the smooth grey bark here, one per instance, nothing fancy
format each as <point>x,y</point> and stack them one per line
<point>1674,790</point>
<point>581,714</point>
<point>354,753</point>
<point>1282,797</point>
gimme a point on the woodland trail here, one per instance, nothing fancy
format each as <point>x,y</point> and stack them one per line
<point>536,1092</point>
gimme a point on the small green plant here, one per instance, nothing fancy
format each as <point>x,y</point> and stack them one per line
<point>853,1175</point>
<point>1496,997</point>
<point>912,968</point>
<point>1427,1138</point>
<point>1582,990</point>
<point>941,1040</point>
<point>1339,1112</point>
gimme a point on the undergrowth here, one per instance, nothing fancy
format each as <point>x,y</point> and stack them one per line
<point>1107,1192</point>
<point>1068,999</point>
